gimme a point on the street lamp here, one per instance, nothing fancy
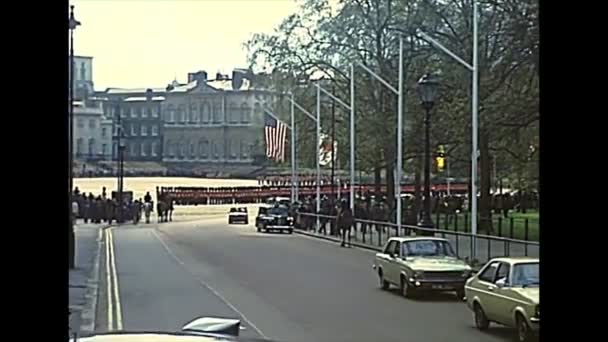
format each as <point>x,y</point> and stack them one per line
<point>428,87</point>
<point>120,156</point>
<point>72,24</point>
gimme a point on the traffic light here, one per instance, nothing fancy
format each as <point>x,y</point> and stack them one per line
<point>440,158</point>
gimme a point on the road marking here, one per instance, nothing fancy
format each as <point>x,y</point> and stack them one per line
<point>179,261</point>
<point>334,243</point>
<point>109,282</point>
<point>115,283</point>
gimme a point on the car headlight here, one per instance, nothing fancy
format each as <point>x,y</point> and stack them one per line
<point>290,218</point>
<point>537,311</point>
<point>418,274</point>
<point>466,274</point>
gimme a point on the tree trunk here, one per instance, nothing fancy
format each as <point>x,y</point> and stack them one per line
<point>377,179</point>
<point>485,161</point>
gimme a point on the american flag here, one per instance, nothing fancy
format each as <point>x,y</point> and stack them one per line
<point>275,134</point>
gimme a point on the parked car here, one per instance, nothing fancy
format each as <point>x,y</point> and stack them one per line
<point>238,215</point>
<point>274,218</point>
<point>506,291</point>
<point>419,264</point>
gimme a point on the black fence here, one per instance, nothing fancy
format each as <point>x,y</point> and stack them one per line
<point>509,227</point>
<point>373,235</point>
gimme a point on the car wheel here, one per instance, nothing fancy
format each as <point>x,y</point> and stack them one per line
<point>229,221</point>
<point>290,231</point>
<point>406,290</point>
<point>481,320</point>
<point>385,285</point>
<point>523,330</point>
<point>246,221</point>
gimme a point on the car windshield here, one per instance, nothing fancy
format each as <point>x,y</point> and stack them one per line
<point>278,211</point>
<point>526,275</point>
<point>427,248</point>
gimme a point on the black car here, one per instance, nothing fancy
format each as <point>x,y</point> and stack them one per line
<point>274,218</point>
<point>238,215</point>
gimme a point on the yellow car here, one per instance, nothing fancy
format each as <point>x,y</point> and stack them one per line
<point>418,264</point>
<point>505,291</point>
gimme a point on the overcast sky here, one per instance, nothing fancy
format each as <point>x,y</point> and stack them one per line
<point>146,43</point>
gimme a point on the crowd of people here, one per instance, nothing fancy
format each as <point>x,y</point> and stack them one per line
<point>100,208</point>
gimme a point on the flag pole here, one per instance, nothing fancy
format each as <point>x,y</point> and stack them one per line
<point>352,138</point>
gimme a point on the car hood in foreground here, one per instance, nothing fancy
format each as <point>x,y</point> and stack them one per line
<point>530,293</point>
<point>437,264</point>
<point>161,337</point>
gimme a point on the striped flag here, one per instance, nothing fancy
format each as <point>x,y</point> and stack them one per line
<point>275,134</point>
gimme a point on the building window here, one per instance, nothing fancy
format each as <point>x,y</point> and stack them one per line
<point>143,149</point>
<point>154,130</point>
<point>181,115</point>
<point>192,113</point>
<point>169,148</point>
<point>83,71</point>
<point>91,146</point>
<point>232,112</point>
<point>104,132</point>
<point>206,113</point>
<point>92,123</point>
<point>170,116</point>
<point>144,130</point>
<point>79,146</point>
<point>156,112</point>
<point>203,148</point>
<point>217,113</point>
<point>104,149</point>
<point>192,152</point>
<point>153,147</point>
<point>114,152</point>
<point>243,149</point>
<point>245,113</point>
<point>182,150</point>
<point>80,123</point>
<point>134,130</point>
<point>125,112</point>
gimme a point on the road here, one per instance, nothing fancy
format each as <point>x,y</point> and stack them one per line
<point>283,287</point>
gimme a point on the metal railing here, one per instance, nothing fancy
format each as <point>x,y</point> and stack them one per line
<point>374,234</point>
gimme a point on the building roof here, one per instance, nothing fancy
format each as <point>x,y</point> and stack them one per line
<point>87,57</point>
<point>133,90</point>
<point>222,85</point>
<point>143,98</point>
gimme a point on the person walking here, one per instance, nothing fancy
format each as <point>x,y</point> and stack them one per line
<point>345,222</point>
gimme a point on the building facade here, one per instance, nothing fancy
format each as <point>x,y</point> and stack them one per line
<point>210,123</point>
<point>140,119</point>
<point>92,132</point>
<point>83,77</point>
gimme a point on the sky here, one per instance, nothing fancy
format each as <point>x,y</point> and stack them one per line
<point>148,43</point>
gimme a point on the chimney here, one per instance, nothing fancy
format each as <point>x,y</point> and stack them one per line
<point>200,77</point>
<point>191,76</point>
<point>219,76</point>
<point>169,87</point>
<point>149,94</point>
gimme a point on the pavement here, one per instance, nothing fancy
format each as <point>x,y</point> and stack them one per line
<point>83,282</point>
<point>285,287</point>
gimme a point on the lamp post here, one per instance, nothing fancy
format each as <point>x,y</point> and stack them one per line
<point>120,156</point>
<point>72,24</point>
<point>428,87</point>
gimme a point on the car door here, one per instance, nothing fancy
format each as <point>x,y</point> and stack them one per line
<point>385,260</point>
<point>505,303</point>
<point>395,263</point>
<point>486,290</point>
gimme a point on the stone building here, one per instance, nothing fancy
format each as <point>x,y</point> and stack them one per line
<point>92,132</point>
<point>141,120</point>
<point>213,124</point>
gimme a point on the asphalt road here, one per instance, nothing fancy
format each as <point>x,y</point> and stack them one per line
<point>283,287</point>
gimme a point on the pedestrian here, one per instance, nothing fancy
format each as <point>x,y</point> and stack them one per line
<point>75,210</point>
<point>345,222</point>
<point>147,197</point>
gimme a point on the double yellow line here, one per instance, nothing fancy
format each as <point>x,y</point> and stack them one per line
<point>113,299</point>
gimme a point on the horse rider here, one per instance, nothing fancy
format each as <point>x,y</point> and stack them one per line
<point>345,222</point>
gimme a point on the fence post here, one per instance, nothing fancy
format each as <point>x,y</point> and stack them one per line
<point>489,248</point>
<point>511,224</point>
<point>526,236</point>
<point>379,236</point>
<point>445,222</point>
<point>437,218</point>
<point>466,221</point>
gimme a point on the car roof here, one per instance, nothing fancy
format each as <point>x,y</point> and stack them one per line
<point>417,238</point>
<point>517,260</point>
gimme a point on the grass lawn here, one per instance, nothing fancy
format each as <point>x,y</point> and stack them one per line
<point>502,226</point>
